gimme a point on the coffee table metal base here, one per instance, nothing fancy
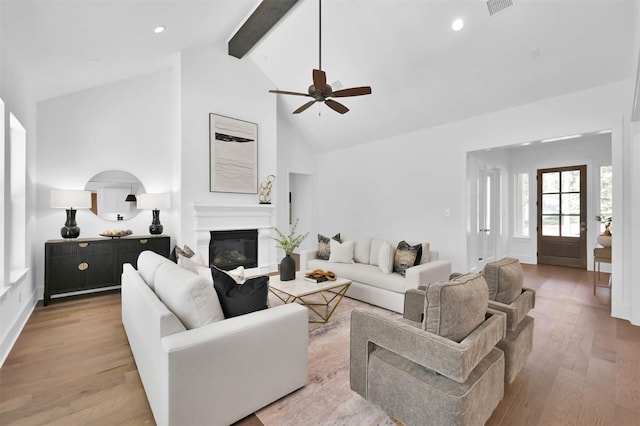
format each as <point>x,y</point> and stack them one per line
<point>322,303</point>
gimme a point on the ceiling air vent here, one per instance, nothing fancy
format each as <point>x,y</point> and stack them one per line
<point>496,6</point>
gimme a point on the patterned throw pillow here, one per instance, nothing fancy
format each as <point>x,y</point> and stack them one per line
<point>186,251</point>
<point>324,249</point>
<point>406,256</point>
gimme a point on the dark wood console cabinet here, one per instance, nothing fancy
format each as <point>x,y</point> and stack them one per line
<point>88,264</point>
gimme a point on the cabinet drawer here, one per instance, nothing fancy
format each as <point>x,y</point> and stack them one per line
<point>80,248</point>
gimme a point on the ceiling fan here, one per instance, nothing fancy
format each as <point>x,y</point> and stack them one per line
<point>320,91</point>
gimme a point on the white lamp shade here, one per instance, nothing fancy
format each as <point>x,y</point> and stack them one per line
<point>154,201</point>
<point>70,199</point>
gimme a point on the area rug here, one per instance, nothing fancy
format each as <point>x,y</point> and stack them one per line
<point>327,398</point>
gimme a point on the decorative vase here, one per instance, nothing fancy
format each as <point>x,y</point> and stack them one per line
<point>156,227</point>
<point>604,240</point>
<point>287,268</point>
<point>70,228</point>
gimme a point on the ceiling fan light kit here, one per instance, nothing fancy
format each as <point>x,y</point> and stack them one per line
<point>320,91</point>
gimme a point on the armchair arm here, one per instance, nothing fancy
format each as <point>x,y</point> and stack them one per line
<point>414,304</point>
<point>451,359</point>
<point>305,256</point>
<point>231,368</point>
<point>516,310</point>
<point>426,273</point>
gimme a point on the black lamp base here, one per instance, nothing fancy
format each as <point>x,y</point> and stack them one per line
<point>156,227</point>
<point>70,231</point>
<point>70,228</point>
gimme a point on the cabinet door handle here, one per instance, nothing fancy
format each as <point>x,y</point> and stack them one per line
<point>83,245</point>
<point>144,241</point>
<point>83,266</point>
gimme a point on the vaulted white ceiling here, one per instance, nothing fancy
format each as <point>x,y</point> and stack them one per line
<point>422,73</point>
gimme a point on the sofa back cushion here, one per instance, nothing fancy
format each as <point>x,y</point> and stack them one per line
<point>187,295</point>
<point>504,279</point>
<point>148,264</point>
<point>361,250</point>
<point>455,308</point>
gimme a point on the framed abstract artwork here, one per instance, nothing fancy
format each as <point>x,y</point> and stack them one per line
<point>233,155</point>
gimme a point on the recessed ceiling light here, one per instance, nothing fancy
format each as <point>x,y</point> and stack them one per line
<point>457,24</point>
<point>159,29</point>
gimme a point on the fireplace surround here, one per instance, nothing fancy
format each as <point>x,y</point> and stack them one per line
<point>216,217</point>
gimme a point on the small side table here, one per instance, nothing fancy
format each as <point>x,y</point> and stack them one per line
<point>600,255</point>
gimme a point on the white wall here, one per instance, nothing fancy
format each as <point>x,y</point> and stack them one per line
<point>127,125</point>
<point>297,166</point>
<point>398,188</point>
<point>214,82</point>
<point>17,299</point>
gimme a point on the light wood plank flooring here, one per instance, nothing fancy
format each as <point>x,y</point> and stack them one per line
<point>72,364</point>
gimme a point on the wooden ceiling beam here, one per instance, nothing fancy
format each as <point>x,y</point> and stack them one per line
<point>257,25</point>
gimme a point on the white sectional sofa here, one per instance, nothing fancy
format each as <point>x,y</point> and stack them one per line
<point>215,374</point>
<point>374,283</point>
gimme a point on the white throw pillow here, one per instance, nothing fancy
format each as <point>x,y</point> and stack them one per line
<point>191,263</point>
<point>385,257</point>
<point>237,274</point>
<point>189,296</point>
<point>341,252</point>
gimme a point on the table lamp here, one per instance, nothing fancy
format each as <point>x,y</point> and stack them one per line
<point>70,199</point>
<point>155,202</point>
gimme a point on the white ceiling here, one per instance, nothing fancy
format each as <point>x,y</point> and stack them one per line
<point>422,73</point>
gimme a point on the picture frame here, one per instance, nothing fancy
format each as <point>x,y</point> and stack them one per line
<point>233,155</point>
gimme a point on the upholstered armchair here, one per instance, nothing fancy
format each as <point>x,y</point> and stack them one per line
<point>507,294</point>
<point>443,369</point>
<point>505,279</point>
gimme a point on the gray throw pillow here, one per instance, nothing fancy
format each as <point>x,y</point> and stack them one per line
<point>324,249</point>
<point>504,279</point>
<point>455,308</point>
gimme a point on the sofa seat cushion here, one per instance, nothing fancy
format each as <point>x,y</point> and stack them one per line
<point>187,295</point>
<point>455,308</point>
<point>362,273</point>
<point>504,279</point>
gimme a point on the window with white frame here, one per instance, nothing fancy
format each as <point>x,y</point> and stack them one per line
<point>18,176</point>
<point>521,203</point>
<point>4,165</point>
<point>606,189</point>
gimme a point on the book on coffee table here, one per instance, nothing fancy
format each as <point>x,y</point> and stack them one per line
<point>315,280</point>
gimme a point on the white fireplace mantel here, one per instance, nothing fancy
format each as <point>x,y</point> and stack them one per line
<point>212,217</point>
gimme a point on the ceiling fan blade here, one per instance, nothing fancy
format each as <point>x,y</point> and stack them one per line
<point>336,106</point>
<point>285,92</point>
<point>353,91</point>
<point>319,80</point>
<point>303,107</point>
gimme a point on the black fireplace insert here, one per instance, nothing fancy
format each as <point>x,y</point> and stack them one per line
<point>230,249</point>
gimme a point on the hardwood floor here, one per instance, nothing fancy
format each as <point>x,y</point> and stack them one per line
<point>72,364</point>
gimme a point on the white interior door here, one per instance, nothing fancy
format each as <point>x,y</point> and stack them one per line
<point>487,225</point>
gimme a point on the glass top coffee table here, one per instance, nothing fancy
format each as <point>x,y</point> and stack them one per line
<point>321,298</point>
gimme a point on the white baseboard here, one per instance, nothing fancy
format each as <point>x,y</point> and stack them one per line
<point>12,336</point>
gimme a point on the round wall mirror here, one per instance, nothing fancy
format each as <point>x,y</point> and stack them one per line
<point>114,195</point>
